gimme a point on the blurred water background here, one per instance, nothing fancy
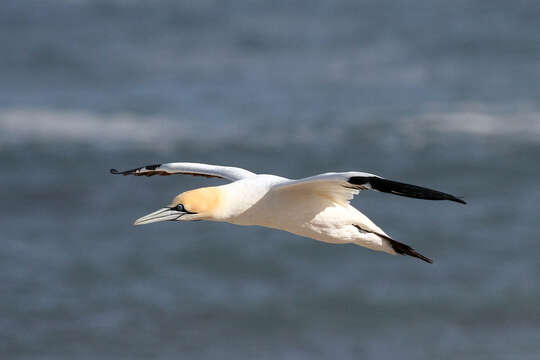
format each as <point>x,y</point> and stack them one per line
<point>435,93</point>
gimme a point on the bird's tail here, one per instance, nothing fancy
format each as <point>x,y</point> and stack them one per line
<point>404,249</point>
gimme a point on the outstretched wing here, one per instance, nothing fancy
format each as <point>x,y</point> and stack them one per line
<point>224,172</point>
<point>343,186</point>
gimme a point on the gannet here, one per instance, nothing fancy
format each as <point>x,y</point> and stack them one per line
<point>316,207</point>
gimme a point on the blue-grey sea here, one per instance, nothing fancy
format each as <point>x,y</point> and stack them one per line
<point>443,94</point>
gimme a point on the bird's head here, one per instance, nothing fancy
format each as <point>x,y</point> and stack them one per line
<point>199,204</point>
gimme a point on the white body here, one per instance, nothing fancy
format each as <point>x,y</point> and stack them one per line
<point>256,201</point>
<point>316,207</point>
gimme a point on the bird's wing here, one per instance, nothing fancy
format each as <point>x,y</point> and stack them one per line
<point>343,186</point>
<point>225,172</point>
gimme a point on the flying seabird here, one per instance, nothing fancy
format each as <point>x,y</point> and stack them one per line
<point>316,207</point>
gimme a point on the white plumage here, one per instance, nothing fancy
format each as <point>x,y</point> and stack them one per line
<point>316,207</point>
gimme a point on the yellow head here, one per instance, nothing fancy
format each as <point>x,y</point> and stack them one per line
<point>199,204</point>
<point>203,201</point>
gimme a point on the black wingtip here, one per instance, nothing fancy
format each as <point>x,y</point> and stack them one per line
<point>404,249</point>
<point>451,198</point>
<point>422,257</point>
<point>455,198</point>
<point>116,172</point>
<point>148,170</point>
<point>402,189</point>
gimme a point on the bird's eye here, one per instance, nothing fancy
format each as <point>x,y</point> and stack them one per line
<point>180,207</point>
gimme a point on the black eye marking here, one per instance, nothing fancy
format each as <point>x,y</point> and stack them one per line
<point>181,208</point>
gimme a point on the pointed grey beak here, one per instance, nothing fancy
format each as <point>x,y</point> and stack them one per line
<point>163,214</point>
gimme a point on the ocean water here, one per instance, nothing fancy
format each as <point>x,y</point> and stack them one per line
<point>434,93</point>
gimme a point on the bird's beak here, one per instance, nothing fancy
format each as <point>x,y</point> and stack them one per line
<point>163,214</point>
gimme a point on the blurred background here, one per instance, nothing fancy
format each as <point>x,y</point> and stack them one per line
<point>434,93</point>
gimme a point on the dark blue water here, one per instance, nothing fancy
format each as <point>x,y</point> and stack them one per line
<point>434,93</point>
